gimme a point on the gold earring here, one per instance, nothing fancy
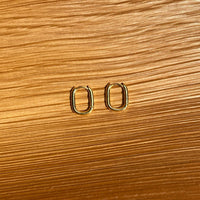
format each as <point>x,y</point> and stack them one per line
<point>90,100</point>
<point>124,100</point>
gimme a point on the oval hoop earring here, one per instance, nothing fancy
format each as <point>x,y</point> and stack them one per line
<point>124,100</point>
<point>90,100</point>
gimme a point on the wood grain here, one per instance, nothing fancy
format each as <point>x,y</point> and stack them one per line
<point>150,151</point>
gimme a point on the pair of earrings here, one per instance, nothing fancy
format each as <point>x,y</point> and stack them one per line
<point>107,98</point>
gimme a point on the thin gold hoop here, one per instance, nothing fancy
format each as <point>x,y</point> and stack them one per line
<point>124,100</point>
<point>90,100</point>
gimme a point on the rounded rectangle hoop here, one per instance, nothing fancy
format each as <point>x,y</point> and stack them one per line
<point>90,100</point>
<point>125,99</point>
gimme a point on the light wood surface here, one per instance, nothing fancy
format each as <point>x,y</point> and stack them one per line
<point>150,151</point>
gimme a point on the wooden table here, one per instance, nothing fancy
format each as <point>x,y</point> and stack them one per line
<point>150,151</point>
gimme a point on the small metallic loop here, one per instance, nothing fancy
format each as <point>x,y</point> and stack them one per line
<point>90,100</point>
<point>125,96</point>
